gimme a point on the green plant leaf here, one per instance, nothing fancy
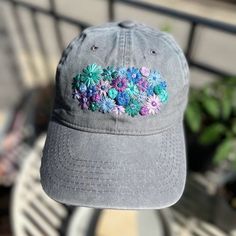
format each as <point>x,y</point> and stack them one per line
<point>212,133</point>
<point>226,105</point>
<point>212,106</point>
<point>193,116</point>
<point>223,150</point>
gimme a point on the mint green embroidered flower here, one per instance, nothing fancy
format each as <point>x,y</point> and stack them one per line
<point>163,96</point>
<point>91,75</point>
<point>132,89</point>
<point>94,106</point>
<point>112,93</point>
<point>109,73</point>
<point>133,108</point>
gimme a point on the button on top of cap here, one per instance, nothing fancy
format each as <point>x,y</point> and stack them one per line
<point>127,24</point>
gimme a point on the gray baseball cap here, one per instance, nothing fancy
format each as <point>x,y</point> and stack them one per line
<point>115,138</point>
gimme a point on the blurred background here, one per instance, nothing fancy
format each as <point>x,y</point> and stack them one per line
<point>32,37</point>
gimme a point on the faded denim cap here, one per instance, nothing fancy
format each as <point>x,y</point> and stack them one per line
<point>95,157</point>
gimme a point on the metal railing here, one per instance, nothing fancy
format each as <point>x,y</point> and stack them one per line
<point>194,21</point>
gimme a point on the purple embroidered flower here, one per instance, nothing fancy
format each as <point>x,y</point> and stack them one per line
<point>145,71</point>
<point>123,99</point>
<point>103,87</point>
<point>142,84</point>
<point>133,75</point>
<point>154,78</point>
<point>144,111</point>
<point>118,110</point>
<point>106,104</point>
<point>153,104</point>
<point>96,97</point>
<point>84,103</point>
<point>120,84</point>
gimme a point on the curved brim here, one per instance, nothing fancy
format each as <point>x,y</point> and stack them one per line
<point>114,171</point>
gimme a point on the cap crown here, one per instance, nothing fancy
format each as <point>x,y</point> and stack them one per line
<point>114,45</point>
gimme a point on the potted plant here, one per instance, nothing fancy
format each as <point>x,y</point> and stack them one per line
<point>210,122</point>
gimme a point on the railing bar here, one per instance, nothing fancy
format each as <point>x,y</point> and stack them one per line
<point>111,10</point>
<point>230,28</point>
<point>57,26</point>
<point>191,38</point>
<point>41,43</point>
<point>210,69</point>
<point>22,35</point>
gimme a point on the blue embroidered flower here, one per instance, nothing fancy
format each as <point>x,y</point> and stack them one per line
<point>82,88</point>
<point>154,78</point>
<point>133,75</point>
<point>163,84</point>
<point>106,104</point>
<point>91,90</point>
<point>122,72</point>
<point>91,74</point>
<point>123,99</point>
<point>150,91</point>
<point>109,73</point>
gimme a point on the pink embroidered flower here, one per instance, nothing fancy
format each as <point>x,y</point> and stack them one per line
<point>103,87</point>
<point>118,110</point>
<point>144,111</point>
<point>142,84</point>
<point>120,84</point>
<point>153,104</point>
<point>145,71</point>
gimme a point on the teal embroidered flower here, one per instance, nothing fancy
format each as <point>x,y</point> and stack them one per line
<point>132,89</point>
<point>109,73</point>
<point>76,82</point>
<point>112,93</point>
<point>94,106</point>
<point>133,108</point>
<point>91,74</point>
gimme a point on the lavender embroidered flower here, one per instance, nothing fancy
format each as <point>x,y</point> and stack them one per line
<point>118,110</point>
<point>153,104</point>
<point>103,87</point>
<point>144,71</point>
<point>131,91</point>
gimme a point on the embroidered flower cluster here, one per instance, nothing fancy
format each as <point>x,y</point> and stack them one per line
<point>120,90</point>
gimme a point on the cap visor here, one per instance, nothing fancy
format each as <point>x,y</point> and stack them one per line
<point>114,171</point>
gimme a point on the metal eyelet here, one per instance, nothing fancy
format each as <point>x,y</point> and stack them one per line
<point>94,48</point>
<point>153,52</point>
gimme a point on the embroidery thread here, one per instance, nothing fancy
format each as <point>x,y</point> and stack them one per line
<point>130,91</point>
